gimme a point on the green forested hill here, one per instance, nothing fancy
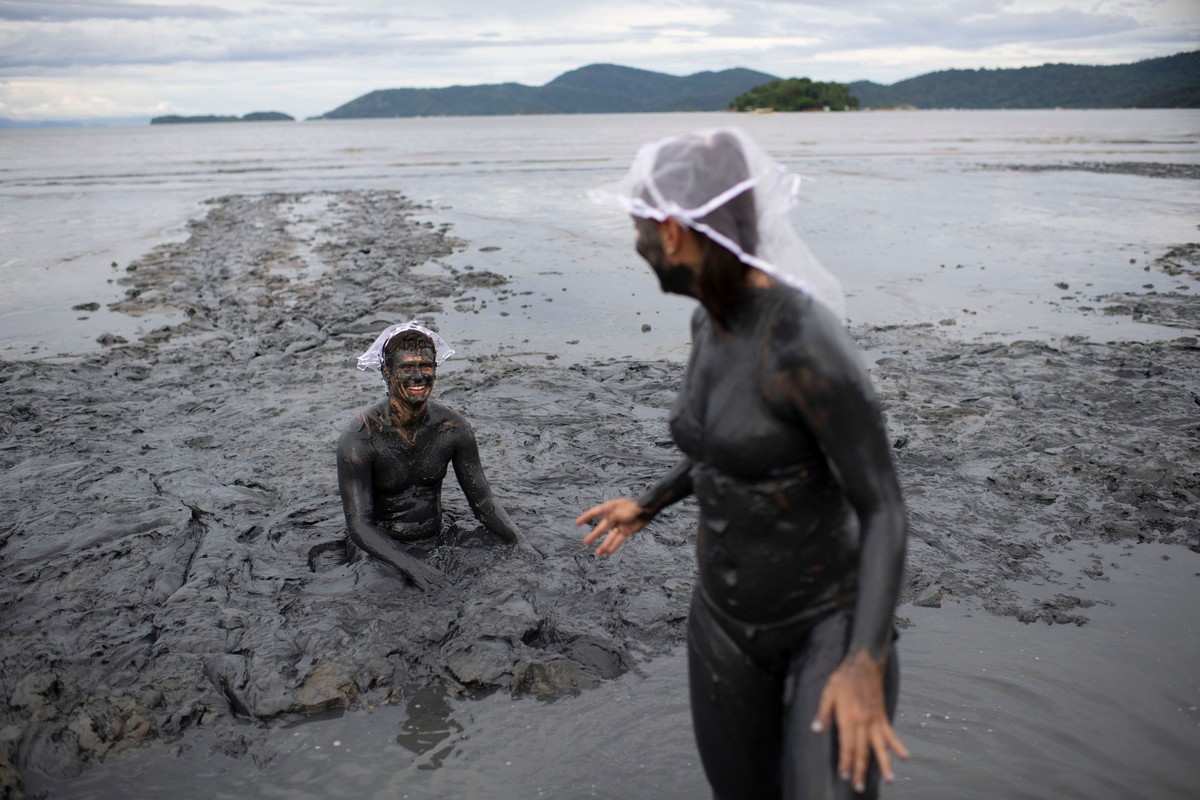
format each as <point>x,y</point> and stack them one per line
<point>1172,82</point>
<point>599,88</point>
<point>796,94</point>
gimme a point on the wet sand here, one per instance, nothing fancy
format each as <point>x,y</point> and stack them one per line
<point>170,544</point>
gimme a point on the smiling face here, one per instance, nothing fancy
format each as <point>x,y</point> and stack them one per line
<point>410,375</point>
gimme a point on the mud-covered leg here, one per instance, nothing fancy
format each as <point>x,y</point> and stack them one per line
<point>810,759</point>
<point>735,713</point>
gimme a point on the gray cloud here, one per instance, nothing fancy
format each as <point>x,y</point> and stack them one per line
<point>52,49</point>
<point>975,32</point>
<point>959,24</point>
<point>57,34</point>
<point>42,11</point>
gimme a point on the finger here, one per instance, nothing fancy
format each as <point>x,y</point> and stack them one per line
<point>820,722</point>
<point>611,543</point>
<point>847,744</point>
<point>861,758</point>
<point>879,745</point>
<point>598,531</point>
<point>894,742</point>
<point>593,512</point>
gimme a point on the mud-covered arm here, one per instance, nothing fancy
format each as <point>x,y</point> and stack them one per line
<point>672,487</point>
<point>823,379</point>
<point>827,384</point>
<point>676,484</point>
<point>354,465</point>
<point>469,471</point>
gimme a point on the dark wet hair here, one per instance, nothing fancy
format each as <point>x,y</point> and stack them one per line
<point>722,275</point>
<point>410,341</point>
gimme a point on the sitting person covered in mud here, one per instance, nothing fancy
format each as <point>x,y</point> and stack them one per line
<point>393,457</point>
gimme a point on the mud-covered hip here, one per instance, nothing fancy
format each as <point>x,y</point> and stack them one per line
<point>773,549</point>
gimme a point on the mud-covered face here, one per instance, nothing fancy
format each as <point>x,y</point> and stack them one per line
<point>673,278</point>
<point>410,376</point>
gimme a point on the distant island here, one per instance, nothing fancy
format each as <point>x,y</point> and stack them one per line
<point>1168,82</point>
<point>256,116</point>
<point>796,94</point>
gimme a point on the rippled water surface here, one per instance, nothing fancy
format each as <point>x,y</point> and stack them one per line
<point>906,207</point>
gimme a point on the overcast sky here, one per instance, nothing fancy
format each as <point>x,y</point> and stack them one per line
<point>79,59</point>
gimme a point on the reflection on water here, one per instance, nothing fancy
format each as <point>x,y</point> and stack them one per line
<point>429,724</point>
<point>996,708</point>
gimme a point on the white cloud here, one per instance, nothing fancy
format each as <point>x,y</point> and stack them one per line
<point>78,59</point>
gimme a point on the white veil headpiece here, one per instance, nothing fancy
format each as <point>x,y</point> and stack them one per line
<point>714,181</point>
<point>373,358</point>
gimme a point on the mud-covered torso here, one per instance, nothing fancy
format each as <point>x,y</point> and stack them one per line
<point>406,476</point>
<point>777,539</point>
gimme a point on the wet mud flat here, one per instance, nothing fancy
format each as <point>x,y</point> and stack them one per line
<point>170,528</point>
<point>1148,169</point>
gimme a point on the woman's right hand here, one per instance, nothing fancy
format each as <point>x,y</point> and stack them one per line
<point>423,576</point>
<point>618,520</point>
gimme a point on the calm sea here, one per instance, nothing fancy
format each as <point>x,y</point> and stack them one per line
<point>906,207</point>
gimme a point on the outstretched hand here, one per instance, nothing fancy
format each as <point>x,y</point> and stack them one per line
<point>618,520</point>
<point>853,700</point>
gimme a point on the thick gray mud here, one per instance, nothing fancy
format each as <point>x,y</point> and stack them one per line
<point>170,529</point>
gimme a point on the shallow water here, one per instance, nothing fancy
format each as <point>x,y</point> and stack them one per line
<point>898,206</point>
<point>990,707</point>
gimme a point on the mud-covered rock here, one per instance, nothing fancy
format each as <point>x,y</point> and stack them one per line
<point>331,686</point>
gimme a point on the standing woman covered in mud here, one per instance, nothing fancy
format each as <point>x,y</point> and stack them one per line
<point>793,677</point>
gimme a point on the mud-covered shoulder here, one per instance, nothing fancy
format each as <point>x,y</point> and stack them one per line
<point>442,414</point>
<point>367,420</point>
<point>804,336</point>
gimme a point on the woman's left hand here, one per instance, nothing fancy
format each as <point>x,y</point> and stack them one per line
<point>853,700</point>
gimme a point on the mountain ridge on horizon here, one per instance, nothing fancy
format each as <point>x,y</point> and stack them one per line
<point>1163,82</point>
<point>591,89</point>
<point>1167,81</point>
